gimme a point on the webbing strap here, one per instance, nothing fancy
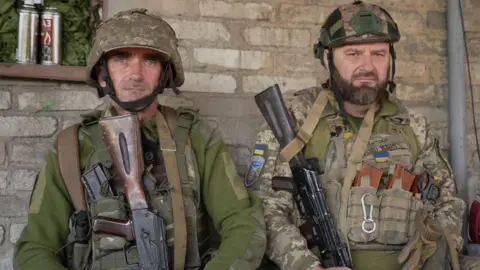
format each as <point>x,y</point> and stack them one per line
<point>306,131</point>
<point>168,148</point>
<point>355,157</point>
<point>68,158</point>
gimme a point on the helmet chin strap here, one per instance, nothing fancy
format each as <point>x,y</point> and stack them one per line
<point>334,87</point>
<point>142,103</point>
<point>391,84</point>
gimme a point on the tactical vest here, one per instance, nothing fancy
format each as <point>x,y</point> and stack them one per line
<point>104,251</point>
<point>377,218</point>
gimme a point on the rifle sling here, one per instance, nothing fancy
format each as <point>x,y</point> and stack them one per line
<point>168,147</point>
<point>306,131</point>
<point>68,161</point>
<point>355,157</point>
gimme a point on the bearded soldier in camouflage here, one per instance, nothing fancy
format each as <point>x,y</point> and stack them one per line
<point>133,58</point>
<point>372,150</point>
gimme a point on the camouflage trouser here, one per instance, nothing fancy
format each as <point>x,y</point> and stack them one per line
<point>267,264</point>
<point>469,263</point>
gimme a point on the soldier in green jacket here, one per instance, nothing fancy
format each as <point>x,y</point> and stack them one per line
<point>370,147</point>
<point>133,58</point>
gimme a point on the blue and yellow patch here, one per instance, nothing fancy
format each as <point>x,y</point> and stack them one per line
<point>381,156</point>
<point>259,149</point>
<point>256,165</point>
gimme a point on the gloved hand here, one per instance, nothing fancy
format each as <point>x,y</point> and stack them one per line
<point>423,245</point>
<point>412,251</point>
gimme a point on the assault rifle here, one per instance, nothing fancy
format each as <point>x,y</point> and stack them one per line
<point>122,136</point>
<point>319,228</point>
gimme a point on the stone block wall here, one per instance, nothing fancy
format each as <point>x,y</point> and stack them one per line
<point>231,50</point>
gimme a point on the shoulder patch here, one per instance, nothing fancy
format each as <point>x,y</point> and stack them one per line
<point>256,165</point>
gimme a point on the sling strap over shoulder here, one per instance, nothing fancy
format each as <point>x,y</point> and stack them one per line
<point>168,148</point>
<point>68,158</point>
<point>306,130</point>
<point>355,157</point>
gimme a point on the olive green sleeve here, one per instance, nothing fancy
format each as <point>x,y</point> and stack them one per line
<point>236,215</point>
<point>47,228</point>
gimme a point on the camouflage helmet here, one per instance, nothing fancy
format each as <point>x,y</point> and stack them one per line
<point>357,22</point>
<point>135,28</point>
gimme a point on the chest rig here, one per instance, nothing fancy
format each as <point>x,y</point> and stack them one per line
<point>379,211</point>
<point>381,207</point>
<point>100,250</point>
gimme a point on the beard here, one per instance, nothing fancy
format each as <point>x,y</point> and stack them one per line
<point>363,94</point>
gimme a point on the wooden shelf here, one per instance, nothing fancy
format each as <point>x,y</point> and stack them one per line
<point>31,71</point>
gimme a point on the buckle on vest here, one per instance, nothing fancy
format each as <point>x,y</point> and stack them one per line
<point>168,145</point>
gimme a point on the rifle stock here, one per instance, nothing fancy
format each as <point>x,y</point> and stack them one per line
<point>308,193</point>
<point>123,139</point>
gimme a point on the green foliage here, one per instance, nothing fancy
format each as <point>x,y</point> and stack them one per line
<point>76,23</point>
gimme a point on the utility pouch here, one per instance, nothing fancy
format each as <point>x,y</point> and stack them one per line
<point>362,214</point>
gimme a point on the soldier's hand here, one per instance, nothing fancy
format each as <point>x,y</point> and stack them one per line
<point>318,267</point>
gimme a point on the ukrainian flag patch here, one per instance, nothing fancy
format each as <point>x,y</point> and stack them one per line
<point>381,156</point>
<point>259,149</point>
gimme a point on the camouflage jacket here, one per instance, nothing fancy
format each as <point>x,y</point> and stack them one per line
<point>286,245</point>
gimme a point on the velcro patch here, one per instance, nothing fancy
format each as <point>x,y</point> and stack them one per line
<point>381,156</point>
<point>254,169</point>
<point>259,149</point>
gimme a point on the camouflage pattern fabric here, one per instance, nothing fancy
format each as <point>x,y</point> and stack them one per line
<point>449,209</point>
<point>469,263</point>
<point>286,246</point>
<point>357,20</point>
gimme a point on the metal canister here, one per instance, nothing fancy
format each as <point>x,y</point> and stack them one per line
<point>27,34</point>
<point>50,37</point>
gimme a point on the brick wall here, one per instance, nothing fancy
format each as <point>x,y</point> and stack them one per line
<point>231,50</point>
